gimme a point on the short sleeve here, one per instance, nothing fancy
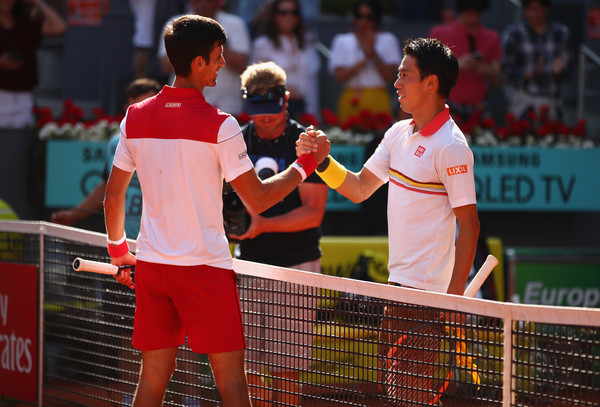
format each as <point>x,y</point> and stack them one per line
<point>123,158</point>
<point>232,151</point>
<point>339,53</point>
<point>238,37</point>
<point>379,162</point>
<point>389,48</point>
<point>455,169</point>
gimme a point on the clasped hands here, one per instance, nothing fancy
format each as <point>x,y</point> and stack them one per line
<point>313,142</point>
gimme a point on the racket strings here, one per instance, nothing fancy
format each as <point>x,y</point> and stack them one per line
<point>417,367</point>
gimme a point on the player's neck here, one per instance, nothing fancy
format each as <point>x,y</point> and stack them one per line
<point>427,114</point>
<point>183,82</point>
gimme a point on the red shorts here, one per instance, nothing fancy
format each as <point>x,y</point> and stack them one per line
<point>200,301</point>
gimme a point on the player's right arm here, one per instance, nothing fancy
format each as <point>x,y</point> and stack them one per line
<point>114,214</point>
<point>356,186</point>
<point>259,195</point>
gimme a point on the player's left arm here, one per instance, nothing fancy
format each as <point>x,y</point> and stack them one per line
<point>466,244</point>
<point>455,168</point>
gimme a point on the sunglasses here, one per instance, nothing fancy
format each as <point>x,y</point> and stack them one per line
<point>273,94</point>
<point>295,12</point>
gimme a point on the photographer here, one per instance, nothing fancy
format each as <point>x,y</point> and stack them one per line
<point>285,235</point>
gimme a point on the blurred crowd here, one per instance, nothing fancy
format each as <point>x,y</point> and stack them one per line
<point>528,60</point>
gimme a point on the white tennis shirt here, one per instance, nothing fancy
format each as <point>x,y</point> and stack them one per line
<point>429,173</point>
<point>182,148</point>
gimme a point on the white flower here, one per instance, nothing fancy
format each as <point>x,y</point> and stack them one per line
<point>48,131</point>
<point>78,131</point>
<point>587,144</point>
<point>65,131</point>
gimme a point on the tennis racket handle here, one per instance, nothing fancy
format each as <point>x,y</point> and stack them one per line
<point>91,266</point>
<point>482,274</point>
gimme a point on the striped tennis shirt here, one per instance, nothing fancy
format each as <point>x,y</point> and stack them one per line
<point>429,173</point>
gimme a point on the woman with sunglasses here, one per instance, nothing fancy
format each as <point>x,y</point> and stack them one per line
<point>284,40</point>
<point>365,62</point>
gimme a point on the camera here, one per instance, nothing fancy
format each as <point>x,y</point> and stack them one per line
<point>235,218</point>
<point>266,167</point>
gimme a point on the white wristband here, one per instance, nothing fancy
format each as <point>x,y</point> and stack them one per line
<point>116,242</point>
<point>299,168</point>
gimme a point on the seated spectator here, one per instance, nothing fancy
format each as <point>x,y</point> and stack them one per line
<point>365,61</point>
<point>478,50</point>
<point>22,26</point>
<point>536,61</point>
<point>226,94</point>
<point>284,41</point>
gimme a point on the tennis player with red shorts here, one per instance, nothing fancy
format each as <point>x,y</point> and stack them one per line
<point>181,148</point>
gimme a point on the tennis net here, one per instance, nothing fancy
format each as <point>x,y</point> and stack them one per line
<point>313,340</point>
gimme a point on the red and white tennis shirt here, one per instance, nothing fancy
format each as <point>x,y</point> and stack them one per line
<point>182,148</point>
<point>429,172</point>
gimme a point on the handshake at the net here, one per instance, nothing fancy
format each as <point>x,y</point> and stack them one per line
<point>313,142</point>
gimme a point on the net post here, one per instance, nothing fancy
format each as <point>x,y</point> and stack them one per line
<point>507,374</point>
<point>41,320</point>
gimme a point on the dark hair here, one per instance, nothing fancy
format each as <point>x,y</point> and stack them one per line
<point>544,3</point>
<point>433,57</point>
<point>265,18</point>
<point>191,36</point>
<point>374,5</point>
<point>140,87</point>
<point>477,5</point>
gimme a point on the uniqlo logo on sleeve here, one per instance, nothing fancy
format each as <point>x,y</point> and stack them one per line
<point>420,151</point>
<point>459,169</point>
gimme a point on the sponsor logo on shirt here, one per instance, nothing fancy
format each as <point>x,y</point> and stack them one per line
<point>459,169</point>
<point>242,155</point>
<point>420,151</point>
<point>172,104</point>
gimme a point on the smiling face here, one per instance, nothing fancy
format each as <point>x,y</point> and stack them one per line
<point>210,72</point>
<point>411,89</point>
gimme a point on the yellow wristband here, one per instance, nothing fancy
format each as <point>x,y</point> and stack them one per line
<point>334,175</point>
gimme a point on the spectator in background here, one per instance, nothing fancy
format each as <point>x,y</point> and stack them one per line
<point>536,60</point>
<point>285,235</point>
<point>138,90</point>
<point>144,14</point>
<point>311,9</point>
<point>23,23</point>
<point>364,61</point>
<point>226,94</point>
<point>285,41</point>
<point>478,50</point>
